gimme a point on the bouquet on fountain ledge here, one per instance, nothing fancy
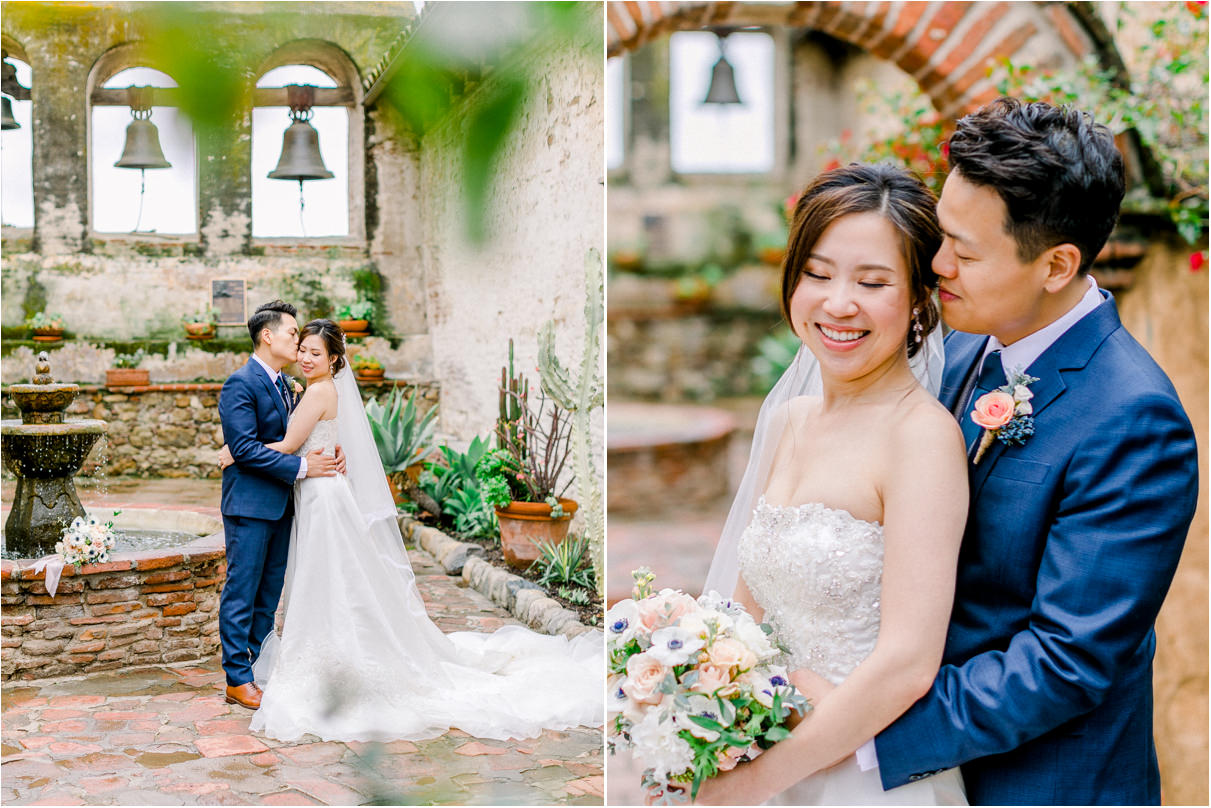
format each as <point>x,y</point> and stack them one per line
<point>694,686</point>
<point>86,541</point>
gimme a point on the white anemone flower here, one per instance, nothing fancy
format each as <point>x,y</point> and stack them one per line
<point>674,645</point>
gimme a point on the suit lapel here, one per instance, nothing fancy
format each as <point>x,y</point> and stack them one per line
<point>1068,355</point>
<point>962,353</point>
<point>271,388</point>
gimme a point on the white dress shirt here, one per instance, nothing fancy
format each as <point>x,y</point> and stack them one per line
<point>1018,356</point>
<point>274,375</point>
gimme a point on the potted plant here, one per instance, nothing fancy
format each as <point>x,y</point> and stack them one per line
<point>354,319</point>
<point>403,439</point>
<point>521,478</point>
<point>201,325</point>
<point>126,371</point>
<point>366,368</point>
<point>46,327</point>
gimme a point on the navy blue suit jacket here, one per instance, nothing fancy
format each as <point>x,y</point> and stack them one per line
<point>1072,540</point>
<point>259,484</point>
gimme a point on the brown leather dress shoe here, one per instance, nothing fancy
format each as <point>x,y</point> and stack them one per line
<point>246,695</point>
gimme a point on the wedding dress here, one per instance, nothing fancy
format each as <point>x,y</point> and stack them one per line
<point>359,659</point>
<point>816,572</point>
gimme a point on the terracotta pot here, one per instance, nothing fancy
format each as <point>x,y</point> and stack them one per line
<point>369,375</point>
<point>127,377</point>
<point>772,255</point>
<point>524,525</point>
<point>355,329</point>
<point>48,334</point>
<point>199,330</point>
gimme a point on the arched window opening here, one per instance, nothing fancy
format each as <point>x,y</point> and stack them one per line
<point>321,207</point>
<point>142,195</point>
<point>721,137</point>
<point>17,145</point>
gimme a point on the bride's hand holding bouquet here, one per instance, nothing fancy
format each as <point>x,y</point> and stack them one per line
<point>695,687</point>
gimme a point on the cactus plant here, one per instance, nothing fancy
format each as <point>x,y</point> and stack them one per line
<point>580,396</point>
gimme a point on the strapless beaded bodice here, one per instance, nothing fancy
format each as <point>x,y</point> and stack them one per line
<point>322,437</point>
<point>816,571</point>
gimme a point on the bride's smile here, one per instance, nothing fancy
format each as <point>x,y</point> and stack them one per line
<point>851,305</point>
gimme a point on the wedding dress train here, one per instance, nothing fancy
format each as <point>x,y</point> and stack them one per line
<point>359,659</point>
<point>816,572</point>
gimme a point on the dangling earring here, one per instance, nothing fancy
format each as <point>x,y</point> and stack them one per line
<point>916,325</point>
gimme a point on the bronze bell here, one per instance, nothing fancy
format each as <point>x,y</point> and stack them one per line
<point>301,158</point>
<point>142,147</point>
<point>723,83</point>
<point>7,121</point>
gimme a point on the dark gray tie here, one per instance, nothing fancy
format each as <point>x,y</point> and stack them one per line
<point>284,392</point>
<point>992,376</point>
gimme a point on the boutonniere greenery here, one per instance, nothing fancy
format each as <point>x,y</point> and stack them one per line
<point>1005,414</point>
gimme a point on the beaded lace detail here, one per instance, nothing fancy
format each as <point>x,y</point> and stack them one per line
<point>323,437</point>
<point>816,571</point>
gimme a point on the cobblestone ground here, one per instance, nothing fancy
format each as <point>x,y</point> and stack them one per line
<point>165,736</point>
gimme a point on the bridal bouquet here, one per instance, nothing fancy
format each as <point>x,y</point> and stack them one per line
<point>86,541</point>
<point>694,688</point>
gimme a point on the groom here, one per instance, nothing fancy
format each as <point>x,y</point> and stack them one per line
<point>1073,537</point>
<point>257,507</point>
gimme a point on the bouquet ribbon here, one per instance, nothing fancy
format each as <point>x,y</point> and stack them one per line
<point>53,564</point>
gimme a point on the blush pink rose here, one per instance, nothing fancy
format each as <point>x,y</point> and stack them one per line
<point>644,675</point>
<point>664,609</point>
<point>729,756</point>
<point>993,410</point>
<point>728,653</point>
<point>711,679</point>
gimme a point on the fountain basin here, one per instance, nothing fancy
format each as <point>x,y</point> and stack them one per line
<point>139,608</point>
<point>661,456</point>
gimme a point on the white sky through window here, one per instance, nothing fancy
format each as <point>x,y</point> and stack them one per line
<point>275,203</point>
<point>16,160</point>
<point>721,138</point>
<point>170,198</point>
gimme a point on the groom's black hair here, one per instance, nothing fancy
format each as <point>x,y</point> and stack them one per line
<point>268,315</point>
<point>1056,169</point>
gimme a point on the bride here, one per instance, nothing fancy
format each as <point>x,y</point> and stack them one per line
<point>845,533</point>
<point>358,657</point>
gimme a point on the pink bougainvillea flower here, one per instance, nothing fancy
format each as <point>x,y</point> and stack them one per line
<point>1197,259</point>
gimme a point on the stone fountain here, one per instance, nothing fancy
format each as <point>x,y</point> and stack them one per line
<point>44,451</point>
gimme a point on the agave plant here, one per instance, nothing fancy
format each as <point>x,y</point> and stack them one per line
<point>401,437</point>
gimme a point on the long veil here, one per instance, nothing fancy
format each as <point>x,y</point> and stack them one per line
<point>801,378</point>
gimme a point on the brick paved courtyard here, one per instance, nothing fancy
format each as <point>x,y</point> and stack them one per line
<point>165,736</point>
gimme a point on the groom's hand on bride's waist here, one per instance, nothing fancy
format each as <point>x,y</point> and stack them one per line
<point>320,464</point>
<point>340,460</point>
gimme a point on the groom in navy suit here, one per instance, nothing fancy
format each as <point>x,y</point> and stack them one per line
<point>1074,534</point>
<point>257,506</point>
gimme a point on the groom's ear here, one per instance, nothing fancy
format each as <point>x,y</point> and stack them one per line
<point>1063,264</point>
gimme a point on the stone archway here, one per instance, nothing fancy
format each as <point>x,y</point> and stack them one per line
<point>952,49</point>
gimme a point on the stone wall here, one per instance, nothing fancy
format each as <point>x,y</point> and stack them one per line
<point>1166,310</point>
<point>146,609</point>
<point>167,430</point>
<point>544,212</point>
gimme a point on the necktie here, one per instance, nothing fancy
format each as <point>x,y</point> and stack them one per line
<point>283,391</point>
<point>992,376</point>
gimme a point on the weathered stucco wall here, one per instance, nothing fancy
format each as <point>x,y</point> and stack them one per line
<point>544,213</point>
<point>1166,310</point>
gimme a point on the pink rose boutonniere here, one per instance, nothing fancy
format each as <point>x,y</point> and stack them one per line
<point>1005,414</point>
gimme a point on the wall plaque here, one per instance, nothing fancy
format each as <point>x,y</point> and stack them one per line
<point>228,299</point>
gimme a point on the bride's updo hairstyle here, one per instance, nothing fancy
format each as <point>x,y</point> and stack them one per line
<point>333,337</point>
<point>896,194</point>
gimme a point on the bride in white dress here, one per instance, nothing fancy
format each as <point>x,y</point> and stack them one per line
<point>845,533</point>
<point>358,658</point>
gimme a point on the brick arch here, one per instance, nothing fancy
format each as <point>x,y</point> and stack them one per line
<point>948,48</point>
